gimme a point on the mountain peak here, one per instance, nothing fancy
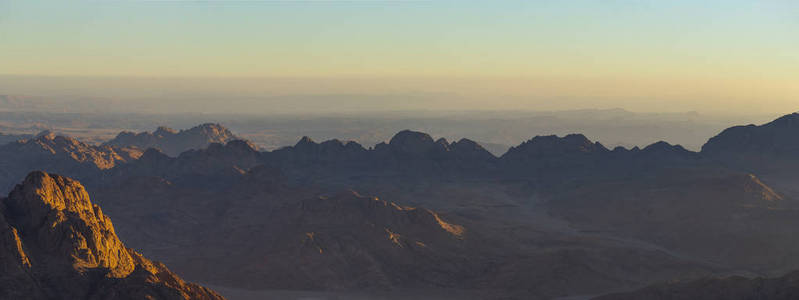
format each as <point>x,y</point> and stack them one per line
<point>64,205</point>
<point>61,236</point>
<point>57,192</point>
<point>214,126</point>
<point>45,134</point>
<point>663,146</point>
<point>214,130</point>
<point>164,131</point>
<point>552,145</point>
<point>304,141</point>
<point>414,143</point>
<point>662,150</point>
<point>408,137</point>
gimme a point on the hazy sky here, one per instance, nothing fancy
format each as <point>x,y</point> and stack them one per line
<point>643,55</point>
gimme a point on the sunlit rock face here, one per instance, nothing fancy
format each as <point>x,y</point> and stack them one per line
<point>58,245</point>
<point>56,207</point>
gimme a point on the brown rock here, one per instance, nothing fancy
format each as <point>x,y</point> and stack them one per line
<point>58,245</point>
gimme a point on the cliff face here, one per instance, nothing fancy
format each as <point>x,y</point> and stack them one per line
<point>58,245</point>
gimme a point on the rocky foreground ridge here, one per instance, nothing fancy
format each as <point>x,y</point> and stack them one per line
<point>56,244</point>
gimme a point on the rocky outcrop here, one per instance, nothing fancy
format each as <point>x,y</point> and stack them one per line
<point>174,142</point>
<point>58,245</point>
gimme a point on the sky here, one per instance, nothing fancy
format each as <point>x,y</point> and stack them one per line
<point>643,55</point>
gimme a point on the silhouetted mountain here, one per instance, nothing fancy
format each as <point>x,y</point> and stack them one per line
<point>779,138</point>
<point>417,153</point>
<point>408,153</point>
<point>553,160</point>
<point>308,152</point>
<point>58,245</point>
<point>173,142</point>
<point>770,150</point>
<point>541,147</point>
<point>417,145</point>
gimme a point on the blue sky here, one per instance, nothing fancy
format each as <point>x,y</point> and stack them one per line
<point>659,42</point>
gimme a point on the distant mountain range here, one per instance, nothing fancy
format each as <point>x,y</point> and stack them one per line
<point>553,216</point>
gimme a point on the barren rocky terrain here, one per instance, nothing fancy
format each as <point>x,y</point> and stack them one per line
<point>420,216</point>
